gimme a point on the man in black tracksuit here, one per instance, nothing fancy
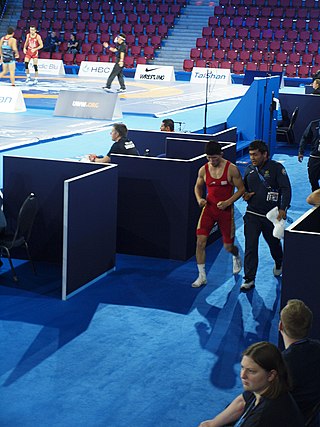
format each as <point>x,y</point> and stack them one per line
<point>267,186</point>
<point>312,135</point>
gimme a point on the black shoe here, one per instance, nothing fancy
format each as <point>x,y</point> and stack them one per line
<point>106,88</point>
<point>122,89</point>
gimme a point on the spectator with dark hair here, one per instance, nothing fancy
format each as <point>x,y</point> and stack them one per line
<point>167,125</point>
<point>73,44</point>
<point>266,401</point>
<point>51,42</point>
<point>267,187</point>
<point>220,177</point>
<point>301,354</point>
<point>122,145</point>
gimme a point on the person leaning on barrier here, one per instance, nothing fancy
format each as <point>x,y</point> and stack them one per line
<point>301,354</point>
<point>266,401</point>
<point>167,125</point>
<point>122,145</point>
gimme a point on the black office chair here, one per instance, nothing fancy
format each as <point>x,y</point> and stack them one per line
<point>285,134</point>
<point>22,232</point>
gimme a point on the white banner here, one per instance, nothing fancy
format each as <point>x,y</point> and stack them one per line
<point>217,76</point>
<point>11,100</point>
<point>95,69</point>
<point>49,66</point>
<point>154,73</point>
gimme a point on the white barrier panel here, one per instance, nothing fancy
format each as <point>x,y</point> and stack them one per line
<point>11,100</point>
<point>53,67</point>
<point>88,104</point>
<point>95,69</point>
<point>155,73</point>
<point>217,76</point>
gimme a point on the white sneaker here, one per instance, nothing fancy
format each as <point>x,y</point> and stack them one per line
<point>277,271</point>
<point>200,281</point>
<point>247,285</point>
<point>28,80</point>
<point>35,81</point>
<point>237,265</point>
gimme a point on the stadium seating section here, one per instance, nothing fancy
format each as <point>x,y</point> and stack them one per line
<point>266,35</point>
<point>145,25</point>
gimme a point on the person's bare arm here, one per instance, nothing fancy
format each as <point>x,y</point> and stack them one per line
<point>229,415</point>
<point>95,159</point>
<point>198,188</point>
<point>314,198</point>
<point>235,179</point>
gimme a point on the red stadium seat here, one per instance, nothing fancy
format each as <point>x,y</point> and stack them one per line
<point>129,61</point>
<point>141,60</point>
<point>256,56</point>
<point>207,54</point>
<point>213,43</point>
<point>201,63</point>
<point>238,68</point>
<point>93,57</point>
<point>97,48</point>
<point>151,30</point>
<point>148,52</point>
<point>287,46</point>
<point>80,57</point>
<point>281,58</point>
<point>104,58</point>
<point>251,66</point>
<point>225,43</point>
<point>195,53</point>
<point>307,59</point>
<point>56,55</point>
<point>291,70</point>
<point>188,65</point>
<point>155,41</point>
<point>237,44</point>
<point>244,56</point>
<point>232,55</point>
<point>277,68</point>
<point>135,50</point>
<point>142,40</point>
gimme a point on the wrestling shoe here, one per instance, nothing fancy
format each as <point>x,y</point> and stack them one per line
<point>247,285</point>
<point>277,270</point>
<point>236,264</point>
<point>121,90</point>
<point>200,281</point>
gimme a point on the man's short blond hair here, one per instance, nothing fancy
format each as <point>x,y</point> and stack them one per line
<point>296,318</point>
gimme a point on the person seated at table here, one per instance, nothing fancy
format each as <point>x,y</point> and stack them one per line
<point>167,125</point>
<point>122,145</point>
<point>316,87</point>
<point>266,401</point>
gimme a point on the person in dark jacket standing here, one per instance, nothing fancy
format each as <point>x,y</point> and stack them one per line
<point>267,186</point>
<point>311,135</point>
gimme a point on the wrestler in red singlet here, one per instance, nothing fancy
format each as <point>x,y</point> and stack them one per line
<point>217,189</point>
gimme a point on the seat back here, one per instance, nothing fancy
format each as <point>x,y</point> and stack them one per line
<point>293,118</point>
<point>25,219</point>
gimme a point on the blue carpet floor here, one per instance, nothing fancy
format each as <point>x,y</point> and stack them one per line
<point>140,347</point>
